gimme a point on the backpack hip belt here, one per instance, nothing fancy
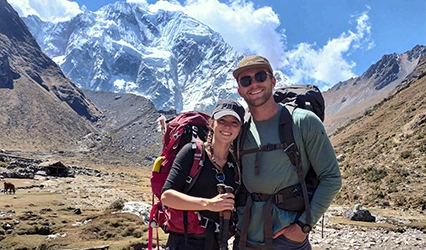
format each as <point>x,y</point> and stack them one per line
<point>289,199</point>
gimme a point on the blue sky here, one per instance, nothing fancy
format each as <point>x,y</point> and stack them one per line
<point>313,41</point>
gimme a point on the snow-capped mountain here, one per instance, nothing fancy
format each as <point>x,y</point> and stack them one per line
<point>168,57</point>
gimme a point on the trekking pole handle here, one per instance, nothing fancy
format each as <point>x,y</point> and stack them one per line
<point>223,188</point>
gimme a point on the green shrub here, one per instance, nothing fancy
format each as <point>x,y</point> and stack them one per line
<point>376,195</point>
<point>116,224</point>
<point>137,234</point>
<point>118,204</point>
<point>43,247</point>
<point>405,154</point>
<point>109,235</point>
<point>368,112</point>
<point>3,164</point>
<point>372,173</point>
<point>423,148</point>
<point>128,232</point>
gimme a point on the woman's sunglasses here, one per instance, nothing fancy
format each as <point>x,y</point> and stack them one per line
<point>260,76</point>
<point>220,177</point>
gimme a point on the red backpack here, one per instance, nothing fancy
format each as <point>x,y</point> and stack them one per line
<point>182,129</point>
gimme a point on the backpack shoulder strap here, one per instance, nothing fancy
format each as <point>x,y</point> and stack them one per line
<point>197,164</point>
<point>240,140</point>
<point>286,133</point>
<point>287,138</point>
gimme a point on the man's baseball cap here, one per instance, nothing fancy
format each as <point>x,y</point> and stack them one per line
<point>250,62</point>
<point>228,107</point>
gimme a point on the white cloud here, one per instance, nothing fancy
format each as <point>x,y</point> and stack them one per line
<point>47,10</point>
<point>246,28</point>
<point>328,65</point>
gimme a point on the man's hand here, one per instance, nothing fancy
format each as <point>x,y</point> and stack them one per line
<point>292,232</point>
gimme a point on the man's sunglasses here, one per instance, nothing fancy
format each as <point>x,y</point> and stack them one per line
<point>260,76</point>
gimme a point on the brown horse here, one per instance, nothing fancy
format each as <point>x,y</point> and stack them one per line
<point>9,187</point>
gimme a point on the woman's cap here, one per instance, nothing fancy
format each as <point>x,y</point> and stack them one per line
<point>228,107</point>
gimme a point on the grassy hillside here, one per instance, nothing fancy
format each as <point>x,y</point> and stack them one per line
<point>383,153</point>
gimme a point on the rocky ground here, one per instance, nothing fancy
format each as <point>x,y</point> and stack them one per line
<point>391,231</point>
<point>95,190</point>
<point>339,233</point>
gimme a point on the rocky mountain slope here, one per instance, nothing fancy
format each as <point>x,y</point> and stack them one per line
<point>40,108</point>
<point>127,131</point>
<point>45,115</point>
<point>168,57</point>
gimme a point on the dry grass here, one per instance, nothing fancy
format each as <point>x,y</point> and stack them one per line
<point>55,204</point>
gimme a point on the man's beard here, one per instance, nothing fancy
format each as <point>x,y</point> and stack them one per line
<point>259,101</point>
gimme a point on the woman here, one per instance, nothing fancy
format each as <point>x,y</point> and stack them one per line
<point>219,168</point>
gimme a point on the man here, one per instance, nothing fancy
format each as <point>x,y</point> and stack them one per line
<point>268,172</point>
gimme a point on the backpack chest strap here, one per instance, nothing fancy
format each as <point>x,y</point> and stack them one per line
<point>268,147</point>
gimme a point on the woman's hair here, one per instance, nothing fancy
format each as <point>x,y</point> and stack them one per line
<point>209,139</point>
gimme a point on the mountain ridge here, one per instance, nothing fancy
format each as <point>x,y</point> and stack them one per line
<point>169,57</point>
<point>349,99</point>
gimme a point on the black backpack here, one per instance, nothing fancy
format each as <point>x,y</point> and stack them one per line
<point>296,96</point>
<point>302,96</point>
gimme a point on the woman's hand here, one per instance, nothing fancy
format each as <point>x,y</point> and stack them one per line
<point>221,202</point>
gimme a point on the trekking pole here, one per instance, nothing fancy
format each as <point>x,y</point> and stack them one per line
<point>225,217</point>
<point>221,190</point>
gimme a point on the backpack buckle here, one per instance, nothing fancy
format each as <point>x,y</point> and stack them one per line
<point>217,230</point>
<point>258,197</point>
<point>204,222</point>
<point>296,192</point>
<point>176,135</point>
<point>188,179</point>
